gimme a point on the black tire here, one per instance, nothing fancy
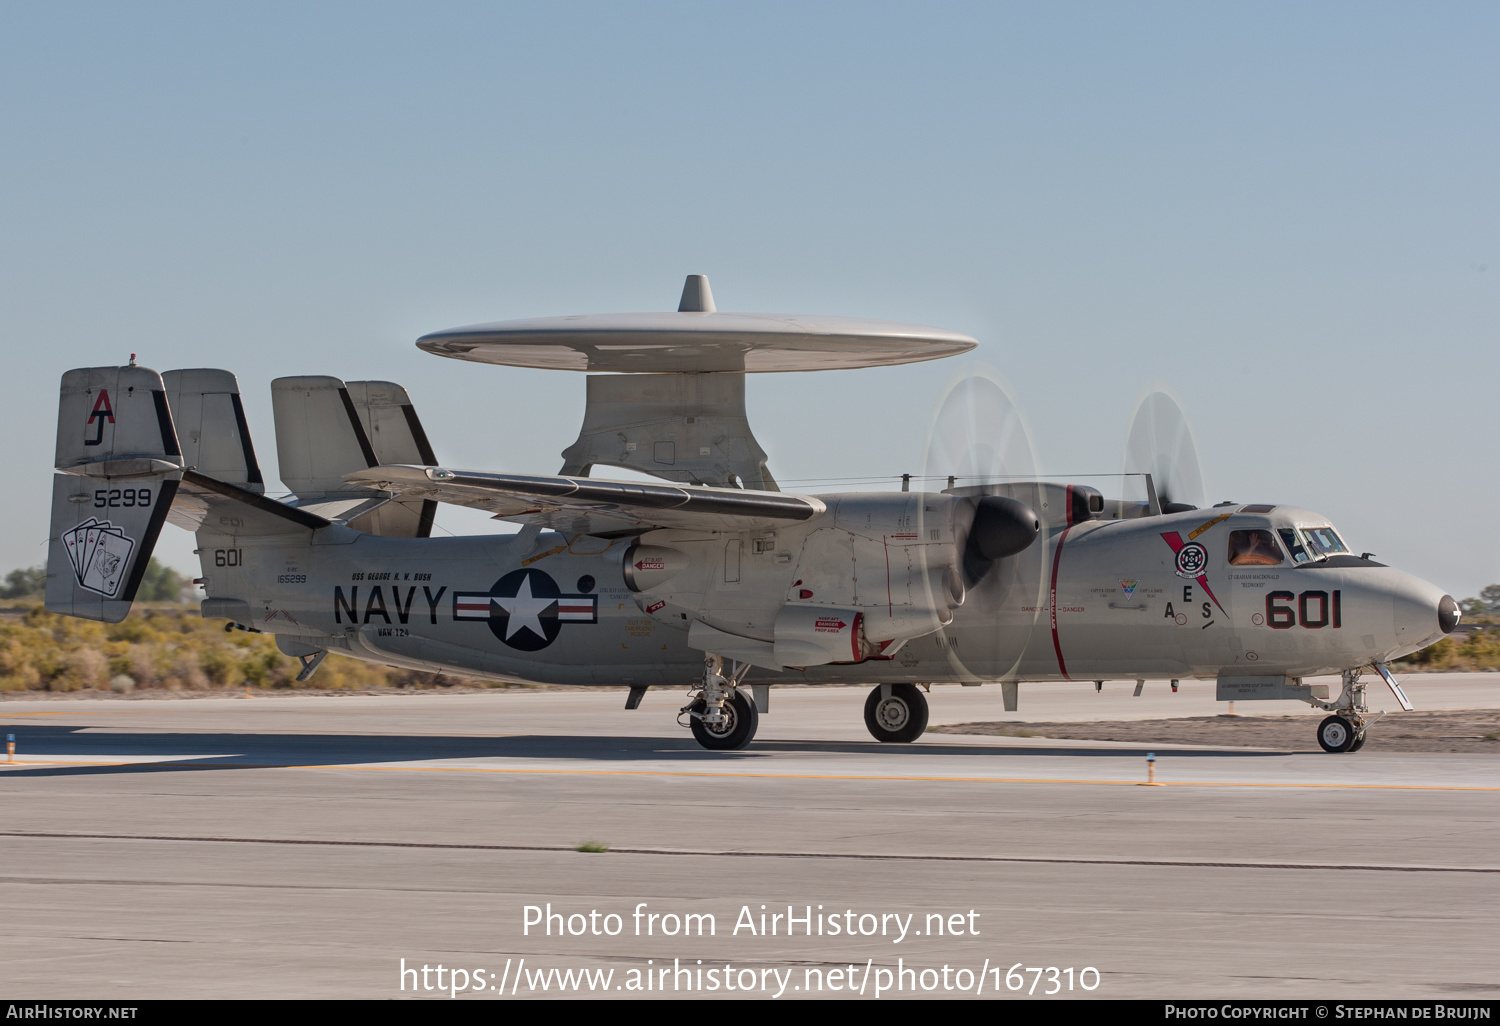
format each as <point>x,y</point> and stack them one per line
<point>740,722</point>
<point>1359,742</point>
<point>899,717</point>
<point>1336,734</point>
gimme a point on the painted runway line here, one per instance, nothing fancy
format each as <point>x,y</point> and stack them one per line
<point>745,853</point>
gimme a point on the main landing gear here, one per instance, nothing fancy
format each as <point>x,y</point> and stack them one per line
<point>1344,731</point>
<point>896,712</point>
<point>722,716</point>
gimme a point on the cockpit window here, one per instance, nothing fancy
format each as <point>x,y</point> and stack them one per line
<point>1324,540</point>
<point>1294,544</point>
<point>1253,548</point>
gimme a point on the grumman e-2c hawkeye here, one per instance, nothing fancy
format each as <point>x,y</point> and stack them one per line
<point>714,578</point>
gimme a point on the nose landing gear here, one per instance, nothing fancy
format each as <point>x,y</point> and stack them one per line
<point>1337,734</point>
<point>1344,731</point>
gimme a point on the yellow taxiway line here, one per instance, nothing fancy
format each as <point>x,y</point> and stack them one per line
<point>698,774</point>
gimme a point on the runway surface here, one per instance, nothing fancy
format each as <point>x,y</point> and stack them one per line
<point>302,846</point>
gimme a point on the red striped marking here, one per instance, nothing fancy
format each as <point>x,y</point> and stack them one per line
<point>1174,539</point>
<point>1062,667</point>
<point>890,603</point>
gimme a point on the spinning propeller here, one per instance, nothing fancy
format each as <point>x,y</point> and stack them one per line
<point>978,446</point>
<point>1160,443</point>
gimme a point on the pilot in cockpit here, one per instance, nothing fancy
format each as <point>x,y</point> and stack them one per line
<point>1253,548</point>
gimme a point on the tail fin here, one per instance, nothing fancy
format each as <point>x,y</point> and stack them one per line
<point>397,436</point>
<point>326,429</point>
<point>211,426</point>
<point>319,436</point>
<point>119,467</point>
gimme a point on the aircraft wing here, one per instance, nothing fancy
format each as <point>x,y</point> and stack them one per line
<point>582,505</point>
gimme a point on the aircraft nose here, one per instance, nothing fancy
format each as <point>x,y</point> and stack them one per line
<point>1422,613</point>
<point>1448,614</point>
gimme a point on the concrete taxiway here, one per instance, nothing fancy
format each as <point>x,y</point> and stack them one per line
<point>302,846</point>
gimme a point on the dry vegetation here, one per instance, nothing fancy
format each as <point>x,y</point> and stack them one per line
<point>169,647</point>
<point>1471,650</point>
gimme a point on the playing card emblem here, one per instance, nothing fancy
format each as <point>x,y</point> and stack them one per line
<point>100,553</point>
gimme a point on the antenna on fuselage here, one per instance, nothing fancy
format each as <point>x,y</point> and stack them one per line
<point>697,297</point>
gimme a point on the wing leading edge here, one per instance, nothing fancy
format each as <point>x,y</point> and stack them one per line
<point>576,505</point>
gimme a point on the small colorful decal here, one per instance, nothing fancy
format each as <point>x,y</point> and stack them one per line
<point>100,554</point>
<point>1195,532</point>
<point>1128,587</point>
<point>1192,562</point>
<point>1191,559</point>
<point>102,412</point>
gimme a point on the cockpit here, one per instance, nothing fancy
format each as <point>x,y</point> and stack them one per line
<point>1273,545</point>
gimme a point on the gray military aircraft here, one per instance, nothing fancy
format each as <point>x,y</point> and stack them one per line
<point>715,578</point>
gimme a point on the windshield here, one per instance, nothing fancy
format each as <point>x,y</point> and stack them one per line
<point>1324,541</point>
<point>1294,544</point>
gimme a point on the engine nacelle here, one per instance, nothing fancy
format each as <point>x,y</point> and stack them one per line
<point>648,567</point>
<point>875,571</point>
<point>813,635</point>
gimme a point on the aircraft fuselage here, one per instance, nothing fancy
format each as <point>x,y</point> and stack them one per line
<point>1152,597</point>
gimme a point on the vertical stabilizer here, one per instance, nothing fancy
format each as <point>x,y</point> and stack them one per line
<point>211,426</point>
<point>319,436</point>
<point>326,429</point>
<point>119,467</point>
<point>397,436</point>
<point>391,423</point>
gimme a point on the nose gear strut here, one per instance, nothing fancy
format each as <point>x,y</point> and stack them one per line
<point>1344,731</point>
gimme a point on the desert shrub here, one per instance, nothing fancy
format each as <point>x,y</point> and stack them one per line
<point>28,583</point>
<point>87,668</point>
<point>1438,655</point>
<point>171,648</point>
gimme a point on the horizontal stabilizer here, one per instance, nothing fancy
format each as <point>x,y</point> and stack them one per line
<point>589,506</point>
<point>218,507</point>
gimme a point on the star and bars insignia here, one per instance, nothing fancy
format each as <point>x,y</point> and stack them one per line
<point>525,609</point>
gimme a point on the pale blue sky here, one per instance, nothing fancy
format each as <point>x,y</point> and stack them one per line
<point>1289,212</point>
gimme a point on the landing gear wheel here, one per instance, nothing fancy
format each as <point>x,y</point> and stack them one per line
<point>740,721</point>
<point>1336,734</point>
<point>900,715</point>
<point>1359,742</point>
